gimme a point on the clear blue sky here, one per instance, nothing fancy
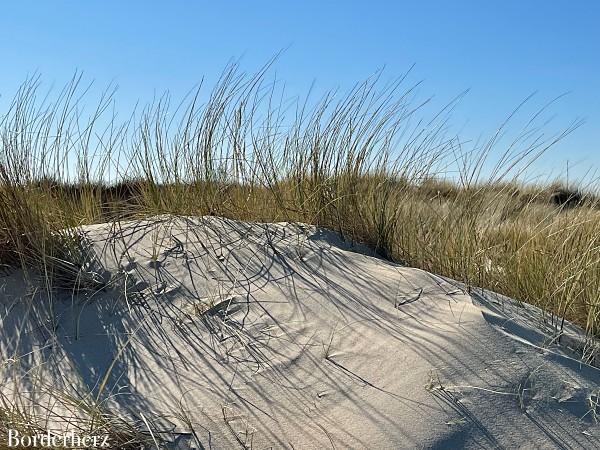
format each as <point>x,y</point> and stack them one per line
<point>501,50</point>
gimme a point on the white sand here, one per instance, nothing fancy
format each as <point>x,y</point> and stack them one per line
<point>280,336</point>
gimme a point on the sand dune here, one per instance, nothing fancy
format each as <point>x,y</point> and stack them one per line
<point>284,336</point>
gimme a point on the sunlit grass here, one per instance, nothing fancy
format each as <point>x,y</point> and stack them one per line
<point>362,164</point>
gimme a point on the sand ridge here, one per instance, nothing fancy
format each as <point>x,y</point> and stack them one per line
<point>284,336</point>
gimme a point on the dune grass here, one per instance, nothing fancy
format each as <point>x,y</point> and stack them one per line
<point>84,417</point>
<point>362,163</point>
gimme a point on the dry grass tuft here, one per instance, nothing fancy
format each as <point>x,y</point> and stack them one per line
<point>362,164</point>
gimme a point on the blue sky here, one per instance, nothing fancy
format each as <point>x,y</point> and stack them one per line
<point>501,51</point>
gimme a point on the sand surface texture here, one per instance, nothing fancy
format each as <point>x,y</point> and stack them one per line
<point>282,336</point>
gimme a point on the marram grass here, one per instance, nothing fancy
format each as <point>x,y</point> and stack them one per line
<point>362,164</point>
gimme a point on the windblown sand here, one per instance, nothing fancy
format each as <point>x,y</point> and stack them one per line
<point>224,334</point>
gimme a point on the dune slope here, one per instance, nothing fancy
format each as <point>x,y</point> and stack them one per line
<point>226,334</point>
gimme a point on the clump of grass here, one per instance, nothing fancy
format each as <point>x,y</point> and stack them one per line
<point>39,208</point>
<point>84,419</point>
<point>363,164</point>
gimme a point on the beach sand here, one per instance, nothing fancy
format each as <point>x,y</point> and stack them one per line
<point>224,334</point>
